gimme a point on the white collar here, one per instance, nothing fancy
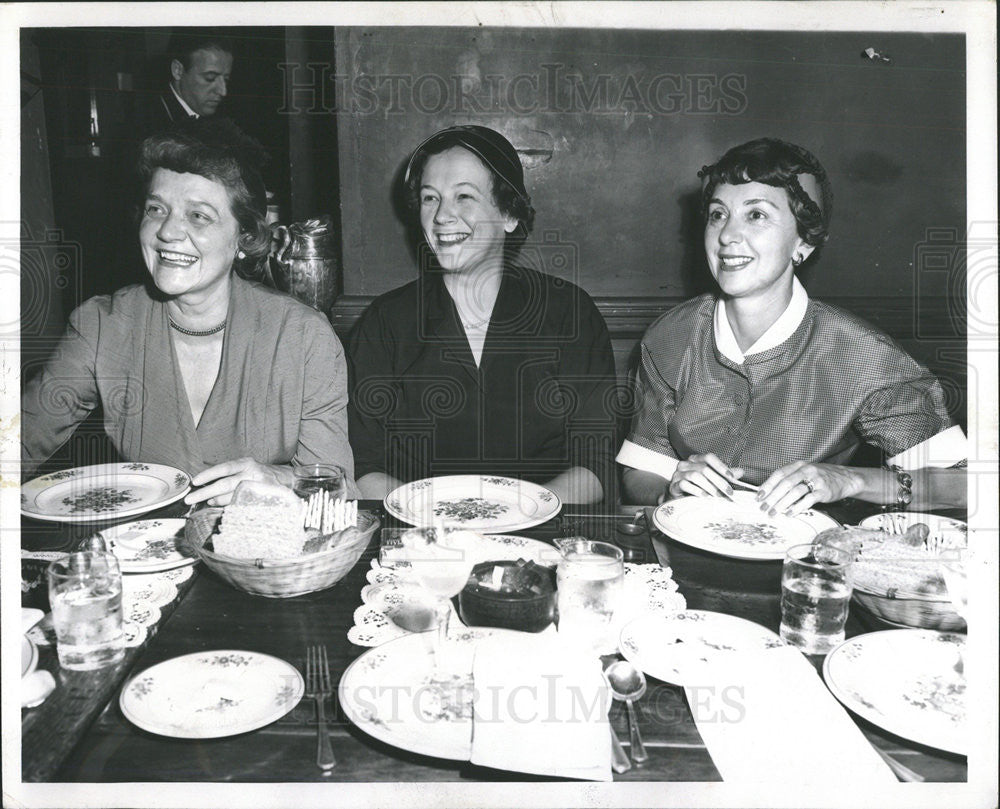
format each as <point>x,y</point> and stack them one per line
<point>782,328</point>
<point>183,103</point>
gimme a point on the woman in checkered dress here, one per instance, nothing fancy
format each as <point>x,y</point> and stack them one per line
<point>762,383</point>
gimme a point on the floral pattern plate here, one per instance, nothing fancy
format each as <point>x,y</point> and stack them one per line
<point>738,528</point>
<point>906,682</point>
<point>490,548</point>
<point>681,648</point>
<point>490,505</point>
<point>207,695</point>
<point>148,546</point>
<point>388,693</point>
<point>103,492</point>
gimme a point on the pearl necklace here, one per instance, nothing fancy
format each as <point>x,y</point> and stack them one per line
<point>194,333</point>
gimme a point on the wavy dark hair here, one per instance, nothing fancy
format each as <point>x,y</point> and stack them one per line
<point>775,162</point>
<point>508,201</point>
<point>185,41</point>
<point>215,148</point>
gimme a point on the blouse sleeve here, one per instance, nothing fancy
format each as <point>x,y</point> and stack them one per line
<point>648,444</point>
<point>906,405</point>
<point>323,427</point>
<point>55,400</point>
<point>370,368</point>
<point>588,373</point>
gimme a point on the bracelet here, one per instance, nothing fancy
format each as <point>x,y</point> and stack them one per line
<point>904,495</point>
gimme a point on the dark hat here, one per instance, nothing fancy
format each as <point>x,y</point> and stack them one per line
<point>487,144</point>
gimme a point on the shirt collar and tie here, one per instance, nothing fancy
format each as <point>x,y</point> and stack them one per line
<point>183,103</point>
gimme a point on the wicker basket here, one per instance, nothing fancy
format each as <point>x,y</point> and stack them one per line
<point>283,578</point>
<point>911,609</point>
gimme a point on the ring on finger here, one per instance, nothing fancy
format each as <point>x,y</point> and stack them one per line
<point>809,485</point>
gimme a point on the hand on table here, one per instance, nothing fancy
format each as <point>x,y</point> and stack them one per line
<point>796,487</point>
<point>703,476</point>
<point>220,481</point>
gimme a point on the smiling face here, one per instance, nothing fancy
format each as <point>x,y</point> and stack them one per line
<point>458,215</point>
<point>205,83</point>
<point>189,236</point>
<point>751,238</point>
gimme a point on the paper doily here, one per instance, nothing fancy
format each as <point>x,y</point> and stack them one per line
<point>386,590</point>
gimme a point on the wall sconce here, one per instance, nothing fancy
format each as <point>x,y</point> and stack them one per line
<point>875,56</point>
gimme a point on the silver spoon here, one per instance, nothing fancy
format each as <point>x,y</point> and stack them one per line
<point>628,683</point>
<point>619,761</point>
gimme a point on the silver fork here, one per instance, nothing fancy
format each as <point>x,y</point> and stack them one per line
<point>319,687</point>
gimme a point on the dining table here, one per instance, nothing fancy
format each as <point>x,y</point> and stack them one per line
<point>80,735</point>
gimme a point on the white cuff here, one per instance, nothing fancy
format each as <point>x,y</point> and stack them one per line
<point>945,449</point>
<point>647,460</point>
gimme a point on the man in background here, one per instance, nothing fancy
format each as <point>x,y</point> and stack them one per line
<point>200,66</point>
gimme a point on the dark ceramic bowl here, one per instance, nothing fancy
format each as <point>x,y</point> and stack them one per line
<point>525,599</point>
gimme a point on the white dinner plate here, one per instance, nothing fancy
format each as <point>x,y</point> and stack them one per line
<point>207,695</point>
<point>148,546</point>
<point>103,492</point>
<point>953,533</point>
<point>387,692</point>
<point>682,648</point>
<point>904,681</point>
<point>510,548</point>
<point>29,656</point>
<point>490,505</point>
<point>492,548</point>
<point>738,528</point>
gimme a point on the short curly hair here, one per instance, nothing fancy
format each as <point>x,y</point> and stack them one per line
<point>509,201</point>
<point>775,162</point>
<point>215,148</point>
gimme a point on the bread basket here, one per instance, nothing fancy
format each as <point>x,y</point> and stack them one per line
<point>911,609</point>
<point>885,592</point>
<point>283,578</point>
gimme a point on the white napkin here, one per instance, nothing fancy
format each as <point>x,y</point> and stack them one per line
<point>540,707</point>
<point>768,717</point>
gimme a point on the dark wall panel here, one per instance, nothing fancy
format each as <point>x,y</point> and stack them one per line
<point>613,126</point>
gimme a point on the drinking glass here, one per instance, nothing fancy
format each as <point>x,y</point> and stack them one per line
<point>440,560</point>
<point>815,591</point>
<point>589,581</point>
<point>319,477</point>
<point>85,592</point>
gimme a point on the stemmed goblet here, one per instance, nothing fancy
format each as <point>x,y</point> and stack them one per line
<point>441,561</point>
